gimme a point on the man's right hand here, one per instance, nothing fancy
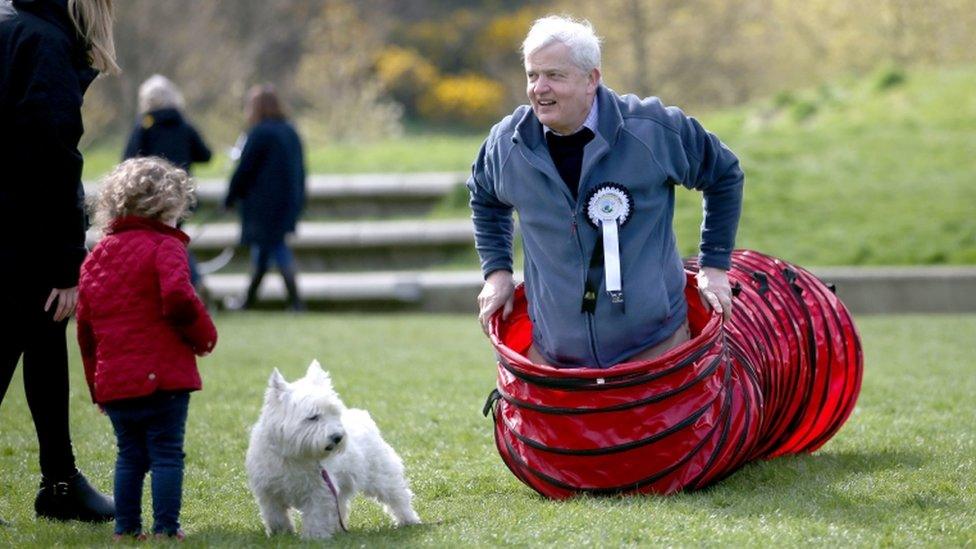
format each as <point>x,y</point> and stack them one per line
<point>497,292</point>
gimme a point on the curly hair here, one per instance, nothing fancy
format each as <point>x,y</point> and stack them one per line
<point>147,187</point>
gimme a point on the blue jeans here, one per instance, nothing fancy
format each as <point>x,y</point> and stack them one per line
<point>279,252</point>
<point>149,432</point>
<point>261,257</point>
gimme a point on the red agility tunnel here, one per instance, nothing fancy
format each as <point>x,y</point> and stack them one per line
<point>780,377</point>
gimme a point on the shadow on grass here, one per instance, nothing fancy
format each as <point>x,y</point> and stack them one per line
<point>849,486</point>
<point>373,536</point>
<point>855,487</point>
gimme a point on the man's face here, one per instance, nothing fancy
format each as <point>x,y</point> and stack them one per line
<point>560,93</point>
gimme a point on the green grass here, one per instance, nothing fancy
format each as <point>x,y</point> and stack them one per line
<point>411,153</point>
<point>901,472</point>
<point>872,178</point>
<point>420,153</point>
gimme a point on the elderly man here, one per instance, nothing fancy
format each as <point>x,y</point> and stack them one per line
<point>592,175</point>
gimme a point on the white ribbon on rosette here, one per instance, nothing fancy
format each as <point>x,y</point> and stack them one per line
<point>608,208</point>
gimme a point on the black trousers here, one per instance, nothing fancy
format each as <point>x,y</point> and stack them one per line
<point>41,342</point>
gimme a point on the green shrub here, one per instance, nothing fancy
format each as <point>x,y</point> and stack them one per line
<point>803,109</point>
<point>783,99</point>
<point>888,77</point>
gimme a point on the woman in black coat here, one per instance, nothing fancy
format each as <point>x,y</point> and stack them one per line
<point>49,53</point>
<point>269,184</point>
<point>163,131</point>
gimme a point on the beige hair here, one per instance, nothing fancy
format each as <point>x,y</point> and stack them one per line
<point>159,92</point>
<point>93,21</point>
<point>147,187</point>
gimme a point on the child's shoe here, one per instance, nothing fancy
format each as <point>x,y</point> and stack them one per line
<point>129,537</point>
<point>176,536</point>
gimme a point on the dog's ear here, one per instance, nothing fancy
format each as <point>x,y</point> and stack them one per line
<point>277,382</point>
<point>317,374</point>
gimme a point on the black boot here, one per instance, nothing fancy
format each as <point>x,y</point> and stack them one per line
<point>251,297</point>
<point>295,303</point>
<point>73,499</point>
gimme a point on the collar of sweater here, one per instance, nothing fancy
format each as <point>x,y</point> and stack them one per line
<point>136,223</point>
<point>609,122</point>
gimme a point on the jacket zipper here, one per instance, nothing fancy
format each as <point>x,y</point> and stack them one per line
<point>586,267</point>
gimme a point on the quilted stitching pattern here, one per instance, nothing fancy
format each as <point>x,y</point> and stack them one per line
<point>140,322</point>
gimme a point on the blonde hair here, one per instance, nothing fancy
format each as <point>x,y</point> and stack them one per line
<point>147,187</point>
<point>159,92</point>
<point>93,21</point>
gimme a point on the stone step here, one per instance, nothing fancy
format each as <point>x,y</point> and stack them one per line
<point>921,289</point>
<point>349,196</point>
<point>453,291</point>
<point>865,290</point>
<point>349,245</point>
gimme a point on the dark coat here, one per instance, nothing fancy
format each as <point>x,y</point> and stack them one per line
<point>166,133</point>
<point>44,72</point>
<point>269,182</point>
<point>139,320</point>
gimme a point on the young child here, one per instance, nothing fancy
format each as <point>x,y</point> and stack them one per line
<point>140,324</point>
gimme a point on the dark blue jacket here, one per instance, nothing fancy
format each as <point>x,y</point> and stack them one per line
<point>166,133</point>
<point>44,72</point>
<point>269,183</point>
<point>649,149</point>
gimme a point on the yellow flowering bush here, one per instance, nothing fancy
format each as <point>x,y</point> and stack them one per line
<point>469,100</point>
<point>404,75</point>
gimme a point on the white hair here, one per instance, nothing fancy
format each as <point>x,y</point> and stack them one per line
<point>583,43</point>
<point>158,92</point>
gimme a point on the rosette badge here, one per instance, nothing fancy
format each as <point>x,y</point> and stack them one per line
<point>608,209</point>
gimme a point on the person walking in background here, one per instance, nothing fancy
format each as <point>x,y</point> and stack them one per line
<point>138,345</point>
<point>50,51</point>
<point>269,185</point>
<point>162,130</point>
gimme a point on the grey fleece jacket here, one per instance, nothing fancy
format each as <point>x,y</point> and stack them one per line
<point>649,149</point>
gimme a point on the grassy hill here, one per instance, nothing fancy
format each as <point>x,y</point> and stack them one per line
<point>873,170</point>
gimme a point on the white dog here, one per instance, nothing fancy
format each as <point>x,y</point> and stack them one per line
<point>309,452</point>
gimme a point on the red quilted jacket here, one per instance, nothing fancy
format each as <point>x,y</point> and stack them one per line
<point>139,321</point>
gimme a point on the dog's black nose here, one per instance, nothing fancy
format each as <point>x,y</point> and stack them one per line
<point>336,438</point>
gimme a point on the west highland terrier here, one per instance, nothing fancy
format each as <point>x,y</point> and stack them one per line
<point>310,453</point>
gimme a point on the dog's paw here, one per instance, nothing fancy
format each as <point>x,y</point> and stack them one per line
<point>316,535</point>
<point>278,531</point>
<point>408,519</point>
